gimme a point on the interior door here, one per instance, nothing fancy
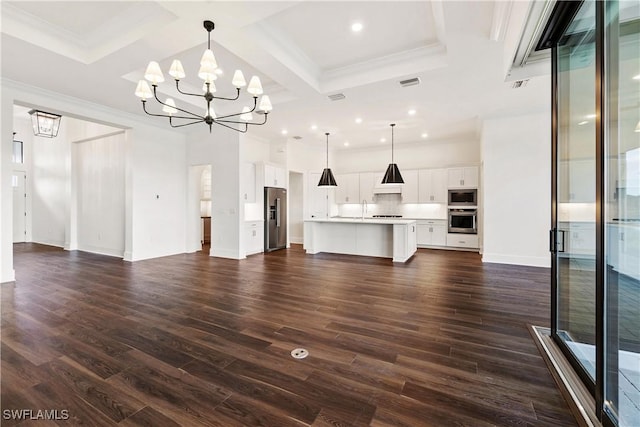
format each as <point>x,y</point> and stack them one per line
<point>574,249</point>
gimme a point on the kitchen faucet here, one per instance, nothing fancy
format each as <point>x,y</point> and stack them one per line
<point>365,207</point>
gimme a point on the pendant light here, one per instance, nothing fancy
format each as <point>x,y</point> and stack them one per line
<point>392,175</point>
<point>327,179</point>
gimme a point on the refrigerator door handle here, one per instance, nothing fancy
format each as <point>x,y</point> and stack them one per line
<point>277,211</point>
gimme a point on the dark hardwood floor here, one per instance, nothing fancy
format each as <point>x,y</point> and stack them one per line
<point>192,340</point>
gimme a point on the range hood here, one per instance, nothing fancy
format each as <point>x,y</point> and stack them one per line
<point>387,189</point>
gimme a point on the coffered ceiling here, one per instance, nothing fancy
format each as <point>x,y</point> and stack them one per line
<point>303,52</point>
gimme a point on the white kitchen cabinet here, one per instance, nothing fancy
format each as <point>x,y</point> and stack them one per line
<point>432,233</point>
<point>254,237</point>
<point>463,177</point>
<point>432,186</point>
<point>462,240</point>
<point>249,183</point>
<point>275,176</point>
<point>410,188</point>
<point>348,189</point>
<point>580,239</point>
<point>367,184</point>
<point>576,181</point>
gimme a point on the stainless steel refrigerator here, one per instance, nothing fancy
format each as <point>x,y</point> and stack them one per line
<point>275,218</point>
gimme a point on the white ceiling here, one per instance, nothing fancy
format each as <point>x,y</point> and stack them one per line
<point>303,51</point>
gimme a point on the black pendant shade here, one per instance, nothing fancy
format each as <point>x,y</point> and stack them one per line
<point>392,175</point>
<point>327,179</point>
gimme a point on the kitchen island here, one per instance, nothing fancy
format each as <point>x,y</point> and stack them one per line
<point>388,238</point>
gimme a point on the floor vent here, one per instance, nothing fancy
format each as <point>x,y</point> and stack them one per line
<point>410,82</point>
<point>519,83</point>
<point>337,96</point>
<point>299,353</point>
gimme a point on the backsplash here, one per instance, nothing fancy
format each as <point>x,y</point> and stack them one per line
<point>391,204</point>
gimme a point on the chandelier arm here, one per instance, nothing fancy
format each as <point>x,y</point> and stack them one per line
<point>187,93</point>
<point>232,128</point>
<point>255,103</point>
<point>229,99</point>
<point>155,94</point>
<point>244,123</point>
<point>144,107</point>
<point>184,124</point>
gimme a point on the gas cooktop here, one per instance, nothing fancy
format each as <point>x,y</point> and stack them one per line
<point>387,216</point>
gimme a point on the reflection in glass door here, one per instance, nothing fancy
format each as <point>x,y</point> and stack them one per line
<point>622,212</point>
<point>575,193</point>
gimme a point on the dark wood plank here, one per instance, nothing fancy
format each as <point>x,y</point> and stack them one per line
<point>194,340</point>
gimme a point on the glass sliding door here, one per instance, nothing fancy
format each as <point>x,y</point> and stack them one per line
<point>622,212</point>
<point>575,193</point>
<point>595,240</point>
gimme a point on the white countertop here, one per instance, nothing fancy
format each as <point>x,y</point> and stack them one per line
<point>385,221</point>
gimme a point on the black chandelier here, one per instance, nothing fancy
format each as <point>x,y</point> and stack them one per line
<point>208,72</point>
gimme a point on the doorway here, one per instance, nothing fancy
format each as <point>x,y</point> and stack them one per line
<point>199,209</point>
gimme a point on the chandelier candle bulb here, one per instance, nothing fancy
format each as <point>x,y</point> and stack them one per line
<point>154,73</point>
<point>209,59</point>
<point>207,72</point>
<point>170,106</point>
<point>177,71</point>
<point>238,79</point>
<point>211,113</point>
<point>265,104</point>
<point>143,90</point>
<point>255,87</point>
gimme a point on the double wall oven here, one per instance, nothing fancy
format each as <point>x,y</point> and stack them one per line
<point>463,211</point>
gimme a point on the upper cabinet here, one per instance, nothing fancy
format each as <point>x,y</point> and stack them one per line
<point>348,189</point>
<point>367,184</point>
<point>464,177</point>
<point>432,186</point>
<point>410,193</point>
<point>275,176</point>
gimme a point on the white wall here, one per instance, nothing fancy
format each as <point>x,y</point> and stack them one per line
<point>159,194</point>
<point>222,149</point>
<point>99,165</point>
<point>50,186</point>
<point>428,154</point>
<point>296,207</point>
<point>154,165</point>
<point>516,189</point>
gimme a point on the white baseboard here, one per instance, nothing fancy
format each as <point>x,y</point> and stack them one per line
<point>118,253</point>
<point>517,260</point>
<point>297,240</point>
<point>225,253</point>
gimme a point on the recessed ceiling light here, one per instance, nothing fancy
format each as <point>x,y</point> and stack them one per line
<point>424,135</point>
<point>358,120</point>
<point>584,122</point>
<point>346,144</point>
<point>590,116</point>
<point>637,77</point>
<point>284,131</point>
<point>314,127</point>
<point>383,139</point>
<point>412,112</point>
<point>356,27</point>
